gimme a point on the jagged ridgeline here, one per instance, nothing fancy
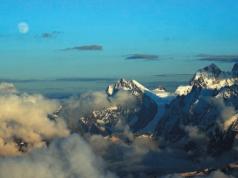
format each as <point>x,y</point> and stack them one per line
<point>128,125</point>
<point>200,117</point>
<point>206,116</point>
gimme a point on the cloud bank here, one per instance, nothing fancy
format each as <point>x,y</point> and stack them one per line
<point>85,48</point>
<point>7,88</point>
<point>34,142</point>
<point>147,57</point>
<point>71,157</point>
<point>24,121</point>
<point>217,58</point>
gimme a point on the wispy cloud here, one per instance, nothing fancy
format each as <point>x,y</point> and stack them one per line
<point>147,57</point>
<point>49,35</point>
<point>217,58</point>
<point>85,48</point>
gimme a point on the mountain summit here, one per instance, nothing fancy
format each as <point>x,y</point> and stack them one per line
<point>213,77</point>
<point>127,85</point>
<point>204,119</point>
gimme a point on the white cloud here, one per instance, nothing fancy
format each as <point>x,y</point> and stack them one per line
<point>24,119</point>
<point>7,88</point>
<point>64,158</point>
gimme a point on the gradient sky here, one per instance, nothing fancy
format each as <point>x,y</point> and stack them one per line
<point>175,30</point>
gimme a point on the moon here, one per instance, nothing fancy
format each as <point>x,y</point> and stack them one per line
<point>23,27</point>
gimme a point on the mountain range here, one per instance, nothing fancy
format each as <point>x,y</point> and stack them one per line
<point>134,129</point>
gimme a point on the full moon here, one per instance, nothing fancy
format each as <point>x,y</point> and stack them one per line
<point>23,27</point>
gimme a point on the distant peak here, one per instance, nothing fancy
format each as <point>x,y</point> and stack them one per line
<point>235,70</point>
<point>122,80</point>
<point>213,77</point>
<point>127,85</point>
<point>204,76</point>
<point>160,88</point>
<point>212,68</point>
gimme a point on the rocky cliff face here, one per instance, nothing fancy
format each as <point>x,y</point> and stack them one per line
<point>146,113</point>
<point>108,120</point>
<point>152,103</point>
<point>115,117</point>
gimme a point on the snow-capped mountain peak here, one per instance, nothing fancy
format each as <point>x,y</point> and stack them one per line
<point>212,77</point>
<point>209,104</point>
<point>126,85</point>
<point>206,75</point>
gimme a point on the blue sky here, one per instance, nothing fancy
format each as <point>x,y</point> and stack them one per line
<point>174,30</point>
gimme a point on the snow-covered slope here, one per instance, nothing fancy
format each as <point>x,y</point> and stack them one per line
<point>153,103</point>
<point>205,116</point>
<point>206,110</point>
<point>142,117</point>
<point>183,90</point>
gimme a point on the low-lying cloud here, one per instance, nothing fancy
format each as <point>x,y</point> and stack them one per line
<point>147,57</point>
<point>7,88</point>
<point>63,158</point>
<point>24,121</point>
<point>226,114</point>
<point>217,58</point>
<point>85,48</point>
<point>38,140</point>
